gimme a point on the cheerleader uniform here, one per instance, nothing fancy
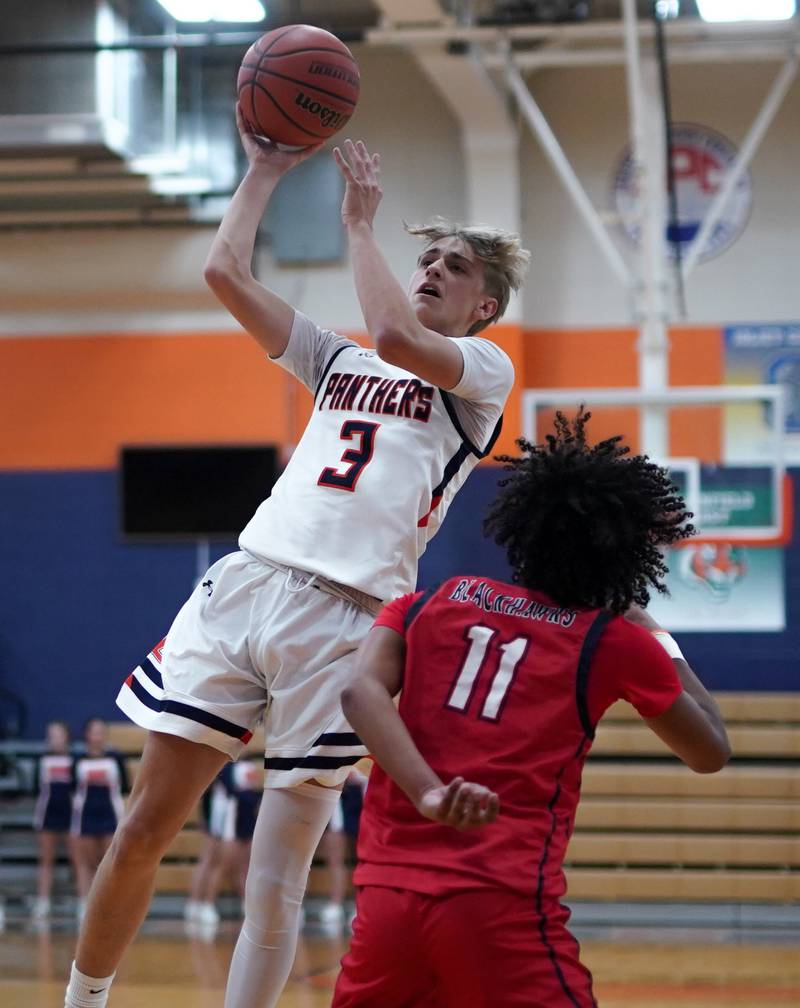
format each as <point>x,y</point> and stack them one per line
<point>53,811</point>
<point>100,782</point>
<point>246,787</point>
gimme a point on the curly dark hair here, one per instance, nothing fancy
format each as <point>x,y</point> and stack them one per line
<point>583,523</point>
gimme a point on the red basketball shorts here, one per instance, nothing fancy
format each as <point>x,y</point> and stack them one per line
<point>485,948</point>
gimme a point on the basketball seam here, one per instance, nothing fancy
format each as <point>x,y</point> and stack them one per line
<point>317,136</point>
<point>294,80</point>
<point>275,41</point>
<point>311,49</point>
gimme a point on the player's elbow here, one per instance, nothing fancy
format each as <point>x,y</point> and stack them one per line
<point>393,344</point>
<point>350,700</point>
<point>222,273</point>
<point>358,700</point>
<point>711,759</point>
<point>217,276</point>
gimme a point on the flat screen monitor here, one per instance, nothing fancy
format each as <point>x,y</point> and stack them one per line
<point>193,492</point>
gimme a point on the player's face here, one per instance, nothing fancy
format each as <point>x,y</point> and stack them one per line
<point>447,288</point>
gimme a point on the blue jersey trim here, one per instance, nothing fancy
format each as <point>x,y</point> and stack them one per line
<point>328,366</point>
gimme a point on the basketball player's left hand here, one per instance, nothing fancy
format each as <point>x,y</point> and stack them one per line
<point>461,804</point>
<point>362,173</point>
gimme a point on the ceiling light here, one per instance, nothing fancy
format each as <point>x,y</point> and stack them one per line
<point>214,10</point>
<point>746,10</point>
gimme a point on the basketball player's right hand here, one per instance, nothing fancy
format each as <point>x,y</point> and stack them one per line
<point>262,152</point>
<point>362,174</point>
<point>461,804</point>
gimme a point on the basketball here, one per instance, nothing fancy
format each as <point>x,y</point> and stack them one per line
<point>298,85</point>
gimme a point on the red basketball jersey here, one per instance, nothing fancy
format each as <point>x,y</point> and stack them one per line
<point>498,689</point>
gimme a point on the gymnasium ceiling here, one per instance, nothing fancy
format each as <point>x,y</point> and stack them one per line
<point>354,15</point>
<point>48,177</point>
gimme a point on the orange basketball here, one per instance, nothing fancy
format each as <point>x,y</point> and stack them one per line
<point>298,85</point>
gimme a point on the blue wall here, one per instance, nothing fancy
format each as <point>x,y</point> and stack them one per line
<point>79,608</point>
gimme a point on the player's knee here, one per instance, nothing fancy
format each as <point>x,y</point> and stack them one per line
<point>271,902</point>
<point>140,840</point>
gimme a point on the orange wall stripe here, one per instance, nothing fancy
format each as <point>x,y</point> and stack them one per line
<point>511,338</point>
<point>594,358</point>
<point>603,358</point>
<point>70,402</point>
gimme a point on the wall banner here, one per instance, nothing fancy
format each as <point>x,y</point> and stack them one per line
<point>723,588</point>
<point>762,354</point>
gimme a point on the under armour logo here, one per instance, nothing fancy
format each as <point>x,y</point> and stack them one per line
<point>208,584</point>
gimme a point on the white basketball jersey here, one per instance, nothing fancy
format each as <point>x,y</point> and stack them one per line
<point>382,457</point>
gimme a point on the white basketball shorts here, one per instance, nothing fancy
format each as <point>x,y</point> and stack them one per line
<point>257,642</point>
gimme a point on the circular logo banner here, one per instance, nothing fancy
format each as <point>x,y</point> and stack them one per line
<point>701,158</point>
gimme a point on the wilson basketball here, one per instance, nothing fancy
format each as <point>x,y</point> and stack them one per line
<point>298,85</point>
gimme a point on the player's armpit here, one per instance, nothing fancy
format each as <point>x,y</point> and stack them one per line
<point>696,735</point>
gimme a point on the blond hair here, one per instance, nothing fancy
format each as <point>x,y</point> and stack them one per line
<point>504,259</point>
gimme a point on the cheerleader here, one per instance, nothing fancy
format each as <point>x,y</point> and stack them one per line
<point>199,908</point>
<point>100,782</point>
<point>247,788</point>
<point>230,813</point>
<point>334,847</point>
<point>53,812</point>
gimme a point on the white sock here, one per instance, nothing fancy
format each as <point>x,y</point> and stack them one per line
<point>289,826</point>
<point>85,991</point>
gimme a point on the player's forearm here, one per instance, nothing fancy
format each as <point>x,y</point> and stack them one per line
<point>372,714</point>
<point>231,253</point>
<point>384,304</point>
<point>704,701</point>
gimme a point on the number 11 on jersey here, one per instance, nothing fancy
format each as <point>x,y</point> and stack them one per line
<point>481,640</point>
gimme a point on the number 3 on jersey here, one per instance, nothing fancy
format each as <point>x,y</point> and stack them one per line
<point>480,638</point>
<point>358,458</point>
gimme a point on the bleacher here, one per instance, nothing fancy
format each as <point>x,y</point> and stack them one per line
<point>648,829</point>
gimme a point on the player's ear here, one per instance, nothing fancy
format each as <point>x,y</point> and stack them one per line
<point>487,308</point>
